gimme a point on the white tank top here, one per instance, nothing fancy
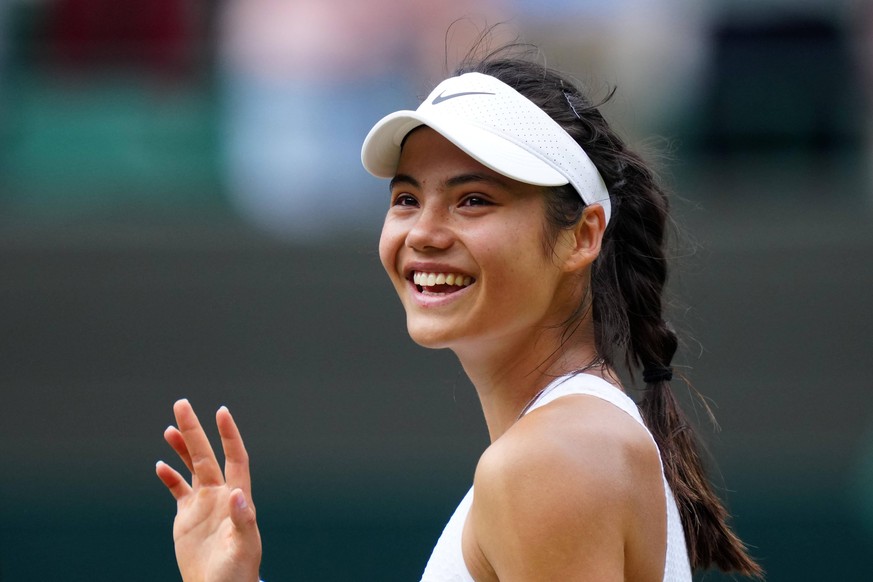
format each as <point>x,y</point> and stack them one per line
<point>446,563</point>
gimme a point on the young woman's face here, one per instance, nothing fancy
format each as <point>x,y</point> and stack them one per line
<point>464,248</point>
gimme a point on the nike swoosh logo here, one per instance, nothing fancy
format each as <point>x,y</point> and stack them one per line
<point>443,97</point>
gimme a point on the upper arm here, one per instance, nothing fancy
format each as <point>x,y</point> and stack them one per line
<point>558,503</point>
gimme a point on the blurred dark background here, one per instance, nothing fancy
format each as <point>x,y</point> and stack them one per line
<point>183,213</point>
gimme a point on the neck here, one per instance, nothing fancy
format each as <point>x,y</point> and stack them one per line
<point>508,379</point>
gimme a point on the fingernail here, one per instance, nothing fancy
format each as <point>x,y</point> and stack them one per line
<point>241,501</point>
<point>222,407</point>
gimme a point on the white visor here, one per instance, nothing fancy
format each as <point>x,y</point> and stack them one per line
<point>498,127</point>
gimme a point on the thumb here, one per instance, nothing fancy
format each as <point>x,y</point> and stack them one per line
<point>242,514</point>
<point>248,544</point>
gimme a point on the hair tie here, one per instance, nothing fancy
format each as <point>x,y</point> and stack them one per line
<point>657,374</point>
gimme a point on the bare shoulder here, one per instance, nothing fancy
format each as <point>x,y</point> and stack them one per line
<point>577,474</point>
<point>579,440</point>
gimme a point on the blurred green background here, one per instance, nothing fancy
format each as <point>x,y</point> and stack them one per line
<point>149,250</point>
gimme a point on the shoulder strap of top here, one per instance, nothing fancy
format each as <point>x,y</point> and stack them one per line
<point>590,385</point>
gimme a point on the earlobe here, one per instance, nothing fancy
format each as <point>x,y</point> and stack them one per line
<point>587,237</point>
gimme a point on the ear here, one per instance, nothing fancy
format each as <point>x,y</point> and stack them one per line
<point>585,238</point>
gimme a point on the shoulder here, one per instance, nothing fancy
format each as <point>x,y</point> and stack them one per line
<point>575,474</point>
<point>578,449</point>
<point>582,440</point>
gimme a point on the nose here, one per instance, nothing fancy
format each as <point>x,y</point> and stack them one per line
<point>431,230</point>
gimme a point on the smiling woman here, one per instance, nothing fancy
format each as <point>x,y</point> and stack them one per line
<point>524,236</point>
<point>450,215</point>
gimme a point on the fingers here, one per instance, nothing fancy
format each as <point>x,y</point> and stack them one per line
<point>174,439</point>
<point>190,437</point>
<point>203,463</point>
<point>172,480</point>
<point>236,459</point>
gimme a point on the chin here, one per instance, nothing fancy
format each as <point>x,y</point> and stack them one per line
<point>428,337</point>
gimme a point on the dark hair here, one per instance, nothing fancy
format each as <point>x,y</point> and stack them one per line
<point>627,285</point>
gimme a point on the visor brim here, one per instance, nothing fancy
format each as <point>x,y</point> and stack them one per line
<point>380,153</point>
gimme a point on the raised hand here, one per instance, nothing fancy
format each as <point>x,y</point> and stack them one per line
<point>215,531</point>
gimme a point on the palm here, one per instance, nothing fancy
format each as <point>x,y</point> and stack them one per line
<point>215,534</point>
<point>203,533</point>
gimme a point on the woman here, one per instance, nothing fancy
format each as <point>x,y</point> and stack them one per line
<point>523,235</point>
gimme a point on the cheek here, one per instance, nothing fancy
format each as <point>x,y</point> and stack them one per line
<point>518,253</point>
<point>531,274</point>
<point>389,245</point>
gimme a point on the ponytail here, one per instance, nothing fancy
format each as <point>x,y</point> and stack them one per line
<point>627,284</point>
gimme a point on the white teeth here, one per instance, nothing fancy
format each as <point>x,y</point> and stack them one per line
<point>431,279</point>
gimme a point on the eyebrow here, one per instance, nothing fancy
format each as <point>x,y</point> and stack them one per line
<point>403,179</point>
<point>454,181</point>
<point>462,179</point>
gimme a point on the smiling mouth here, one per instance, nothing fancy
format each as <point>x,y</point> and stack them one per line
<point>440,283</point>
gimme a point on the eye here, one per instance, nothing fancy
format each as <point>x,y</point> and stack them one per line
<point>404,200</point>
<point>475,200</point>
